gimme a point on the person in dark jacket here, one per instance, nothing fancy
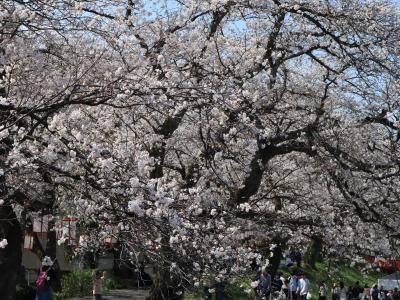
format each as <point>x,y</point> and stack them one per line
<point>265,285</point>
<point>277,283</point>
<point>356,291</point>
<point>375,293</point>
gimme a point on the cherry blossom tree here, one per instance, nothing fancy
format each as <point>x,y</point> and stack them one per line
<point>48,61</point>
<point>214,134</point>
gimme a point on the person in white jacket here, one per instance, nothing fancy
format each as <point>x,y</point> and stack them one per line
<point>342,291</point>
<point>303,287</point>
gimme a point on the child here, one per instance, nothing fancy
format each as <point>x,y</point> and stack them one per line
<point>98,277</point>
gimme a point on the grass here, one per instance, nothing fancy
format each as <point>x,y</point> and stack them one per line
<point>329,271</point>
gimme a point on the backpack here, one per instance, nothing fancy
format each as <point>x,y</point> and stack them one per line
<point>41,281</point>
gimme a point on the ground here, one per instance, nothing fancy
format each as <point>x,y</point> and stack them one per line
<point>120,295</point>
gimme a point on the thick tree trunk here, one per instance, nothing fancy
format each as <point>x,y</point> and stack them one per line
<point>165,286</point>
<point>314,251</point>
<point>11,255</point>
<point>275,260</point>
<point>51,250</point>
<point>10,229</point>
<point>90,260</point>
<point>277,252</point>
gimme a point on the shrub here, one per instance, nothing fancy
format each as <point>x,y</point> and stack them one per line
<point>77,284</point>
<point>240,288</point>
<point>80,284</point>
<point>112,283</point>
<point>58,296</point>
<point>25,292</point>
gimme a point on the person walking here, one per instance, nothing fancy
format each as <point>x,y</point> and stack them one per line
<point>288,261</point>
<point>342,291</point>
<point>375,292</point>
<point>366,293</point>
<point>45,274</point>
<point>293,284</point>
<point>98,278</point>
<point>357,291</point>
<point>389,295</point>
<point>285,287</point>
<point>396,294</point>
<point>277,283</point>
<point>382,293</point>
<point>265,285</point>
<point>303,287</point>
<point>350,293</point>
<point>322,291</point>
<point>335,292</point>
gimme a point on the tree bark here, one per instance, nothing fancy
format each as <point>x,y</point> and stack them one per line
<point>11,255</point>
<point>10,229</point>
<point>51,250</point>
<point>314,251</point>
<point>165,286</point>
<point>278,250</point>
<point>275,260</point>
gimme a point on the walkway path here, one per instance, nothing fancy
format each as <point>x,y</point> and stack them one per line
<point>120,295</point>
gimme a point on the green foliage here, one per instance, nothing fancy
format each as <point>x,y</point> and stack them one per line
<point>77,284</point>
<point>80,284</point>
<point>25,292</point>
<point>58,296</point>
<point>240,289</point>
<point>112,283</point>
<point>190,296</point>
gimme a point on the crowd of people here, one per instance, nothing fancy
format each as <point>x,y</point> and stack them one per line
<point>297,287</point>
<point>356,292</point>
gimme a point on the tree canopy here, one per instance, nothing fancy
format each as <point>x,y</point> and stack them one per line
<point>211,132</point>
